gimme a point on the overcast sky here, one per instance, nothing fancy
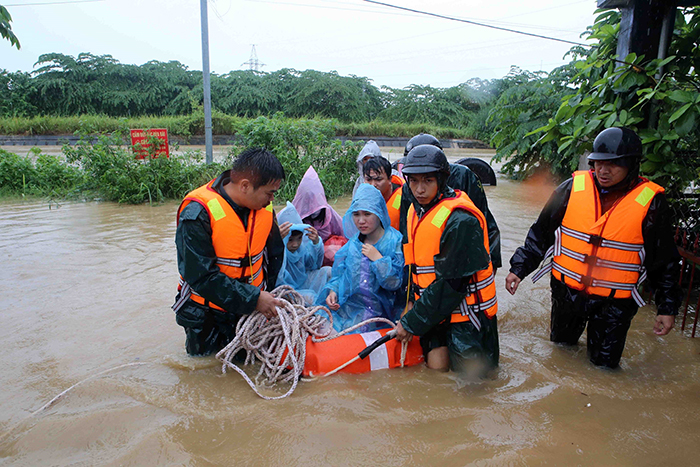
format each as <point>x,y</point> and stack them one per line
<point>391,47</point>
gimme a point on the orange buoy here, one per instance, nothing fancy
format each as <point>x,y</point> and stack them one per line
<point>324,357</point>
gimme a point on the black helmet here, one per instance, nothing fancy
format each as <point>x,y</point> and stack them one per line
<point>417,140</point>
<point>424,159</point>
<point>615,143</point>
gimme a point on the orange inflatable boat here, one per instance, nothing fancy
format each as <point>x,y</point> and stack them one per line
<point>324,357</point>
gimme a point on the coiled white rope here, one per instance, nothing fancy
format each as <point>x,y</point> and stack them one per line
<point>268,342</point>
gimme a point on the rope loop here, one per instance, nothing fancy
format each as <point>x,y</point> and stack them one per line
<point>268,342</point>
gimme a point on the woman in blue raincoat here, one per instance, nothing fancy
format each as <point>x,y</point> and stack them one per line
<point>303,256</point>
<point>368,269</point>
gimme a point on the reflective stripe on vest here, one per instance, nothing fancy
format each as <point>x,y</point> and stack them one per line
<point>602,255</point>
<point>240,251</point>
<point>423,245</point>
<point>394,203</point>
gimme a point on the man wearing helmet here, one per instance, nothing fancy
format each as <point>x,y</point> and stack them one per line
<point>607,229</point>
<point>460,178</point>
<point>452,303</point>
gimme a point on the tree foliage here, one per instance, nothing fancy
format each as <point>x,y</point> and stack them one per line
<point>425,104</point>
<point>63,85</point>
<point>526,102</point>
<point>6,27</point>
<point>606,91</point>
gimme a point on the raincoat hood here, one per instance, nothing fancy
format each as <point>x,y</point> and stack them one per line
<point>367,198</point>
<point>300,268</point>
<point>371,149</point>
<point>290,214</point>
<point>310,198</point>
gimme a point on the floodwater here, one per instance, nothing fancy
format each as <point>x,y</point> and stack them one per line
<point>88,287</point>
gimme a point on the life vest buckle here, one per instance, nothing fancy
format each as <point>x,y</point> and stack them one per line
<point>587,281</point>
<point>589,260</point>
<point>595,240</point>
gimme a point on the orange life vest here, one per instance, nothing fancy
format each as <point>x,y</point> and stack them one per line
<point>324,357</point>
<point>602,254</point>
<point>394,203</point>
<point>239,251</point>
<point>424,244</point>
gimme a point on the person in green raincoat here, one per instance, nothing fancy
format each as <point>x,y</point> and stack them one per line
<point>454,314</point>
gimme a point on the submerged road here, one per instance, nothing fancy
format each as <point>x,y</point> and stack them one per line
<point>88,287</point>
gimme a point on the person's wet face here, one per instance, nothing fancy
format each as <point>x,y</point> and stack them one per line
<point>365,221</point>
<point>380,181</point>
<point>609,173</point>
<point>423,186</point>
<point>263,195</point>
<point>294,241</point>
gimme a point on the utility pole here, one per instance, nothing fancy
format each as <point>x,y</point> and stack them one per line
<point>207,83</point>
<point>253,61</point>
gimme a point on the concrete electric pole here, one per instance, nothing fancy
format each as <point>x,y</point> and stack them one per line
<point>207,84</point>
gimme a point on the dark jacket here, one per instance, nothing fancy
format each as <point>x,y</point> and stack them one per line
<point>662,257</point>
<point>462,254</point>
<point>196,258</point>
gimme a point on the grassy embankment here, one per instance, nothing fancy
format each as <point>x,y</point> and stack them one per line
<point>188,125</point>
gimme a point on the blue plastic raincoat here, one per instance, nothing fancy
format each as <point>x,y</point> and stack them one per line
<point>365,288</point>
<point>302,269</point>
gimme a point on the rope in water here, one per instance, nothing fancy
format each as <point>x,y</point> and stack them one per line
<point>267,341</point>
<point>55,399</point>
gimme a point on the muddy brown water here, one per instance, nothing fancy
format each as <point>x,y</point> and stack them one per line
<point>88,287</point>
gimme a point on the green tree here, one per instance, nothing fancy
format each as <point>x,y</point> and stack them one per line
<point>425,104</point>
<point>664,110</point>
<point>602,91</point>
<point>6,27</point>
<point>526,102</point>
<point>15,91</point>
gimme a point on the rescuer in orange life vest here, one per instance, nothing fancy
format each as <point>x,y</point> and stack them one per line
<point>453,304</point>
<point>229,251</point>
<point>377,172</point>
<point>608,229</point>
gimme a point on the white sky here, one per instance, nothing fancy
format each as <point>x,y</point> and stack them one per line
<point>390,47</point>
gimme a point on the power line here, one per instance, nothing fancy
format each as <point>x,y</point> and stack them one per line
<point>474,23</point>
<point>55,3</point>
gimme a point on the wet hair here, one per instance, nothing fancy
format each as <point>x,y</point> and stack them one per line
<point>377,164</point>
<point>258,165</point>
<point>318,216</point>
<point>295,233</point>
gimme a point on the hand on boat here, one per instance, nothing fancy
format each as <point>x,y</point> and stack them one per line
<point>402,335</point>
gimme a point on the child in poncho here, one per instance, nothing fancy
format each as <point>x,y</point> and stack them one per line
<point>303,256</point>
<point>368,269</point>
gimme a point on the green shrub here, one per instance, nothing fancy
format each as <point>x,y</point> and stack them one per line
<point>16,173</point>
<point>112,173</point>
<point>299,143</point>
